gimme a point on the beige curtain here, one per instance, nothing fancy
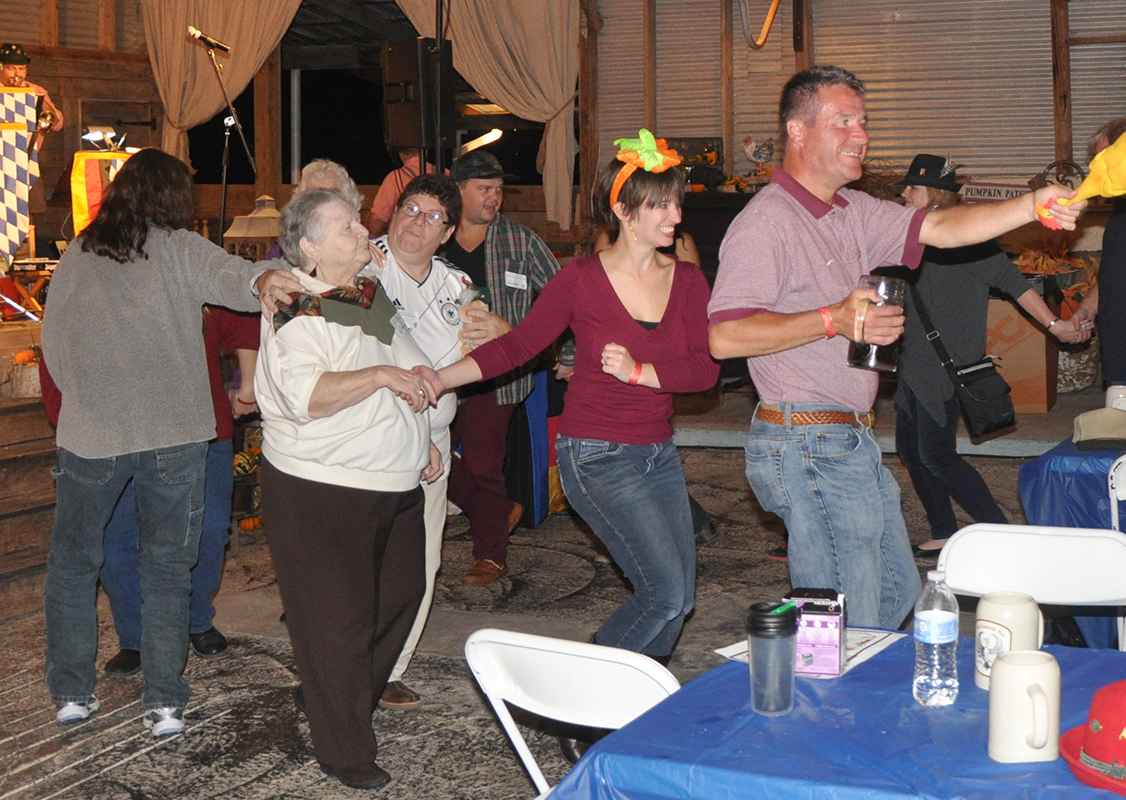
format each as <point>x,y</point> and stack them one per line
<point>184,75</point>
<point>524,55</point>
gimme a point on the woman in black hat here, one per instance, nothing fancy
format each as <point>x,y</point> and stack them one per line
<point>953,286</point>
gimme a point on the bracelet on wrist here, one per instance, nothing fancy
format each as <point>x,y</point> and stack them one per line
<point>827,318</point>
<point>635,376</point>
<point>1053,322</point>
<point>245,402</point>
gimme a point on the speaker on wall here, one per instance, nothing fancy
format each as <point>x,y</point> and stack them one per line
<point>413,95</point>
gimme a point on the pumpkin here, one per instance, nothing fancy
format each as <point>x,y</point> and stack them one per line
<point>25,357</point>
<point>250,523</point>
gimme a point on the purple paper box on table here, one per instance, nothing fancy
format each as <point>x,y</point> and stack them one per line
<point>820,645</point>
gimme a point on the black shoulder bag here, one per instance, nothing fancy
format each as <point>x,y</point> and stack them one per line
<point>982,392</point>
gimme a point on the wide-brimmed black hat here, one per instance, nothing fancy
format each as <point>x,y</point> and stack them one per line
<point>13,54</point>
<point>933,171</point>
<point>479,164</point>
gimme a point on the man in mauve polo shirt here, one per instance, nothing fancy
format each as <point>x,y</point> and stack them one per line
<point>785,299</point>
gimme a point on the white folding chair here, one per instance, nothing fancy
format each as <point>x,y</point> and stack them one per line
<point>1116,486</point>
<point>573,682</point>
<point>1057,566</point>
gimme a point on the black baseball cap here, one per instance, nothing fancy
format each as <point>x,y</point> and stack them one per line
<point>479,164</point>
<point>934,171</point>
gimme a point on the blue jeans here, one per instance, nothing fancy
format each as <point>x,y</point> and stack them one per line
<point>841,509</point>
<point>930,453</point>
<point>119,572</point>
<point>635,500</point>
<point>168,487</point>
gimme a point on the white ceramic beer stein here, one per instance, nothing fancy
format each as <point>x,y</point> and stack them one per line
<point>1024,707</point>
<point>1004,621</point>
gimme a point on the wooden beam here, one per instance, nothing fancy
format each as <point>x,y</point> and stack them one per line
<point>588,124</point>
<point>1061,79</point>
<point>593,17</point>
<point>1116,38</point>
<point>107,25</point>
<point>649,60</point>
<point>803,34</point>
<point>49,23</point>
<point>268,126</point>
<point>727,83</point>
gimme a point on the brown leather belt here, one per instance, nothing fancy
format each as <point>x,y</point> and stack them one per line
<point>775,416</point>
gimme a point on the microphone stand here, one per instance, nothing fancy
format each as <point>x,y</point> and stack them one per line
<point>238,127</point>
<point>228,122</point>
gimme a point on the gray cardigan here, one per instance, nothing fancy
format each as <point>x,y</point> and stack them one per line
<point>124,342</point>
<point>954,287</point>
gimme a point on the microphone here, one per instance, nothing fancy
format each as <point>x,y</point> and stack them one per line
<point>213,44</point>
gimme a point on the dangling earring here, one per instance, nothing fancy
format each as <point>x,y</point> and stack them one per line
<point>633,233</point>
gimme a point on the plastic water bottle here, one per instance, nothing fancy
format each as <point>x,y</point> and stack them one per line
<point>936,643</point>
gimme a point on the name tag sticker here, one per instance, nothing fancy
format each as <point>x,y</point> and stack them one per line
<point>514,280</point>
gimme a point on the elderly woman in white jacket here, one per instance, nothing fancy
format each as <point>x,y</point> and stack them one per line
<point>344,448</point>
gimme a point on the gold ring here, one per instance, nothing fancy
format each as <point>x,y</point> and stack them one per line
<point>421,393</point>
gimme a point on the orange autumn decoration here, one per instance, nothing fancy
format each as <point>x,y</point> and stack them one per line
<point>646,152</point>
<point>249,523</point>
<point>25,357</point>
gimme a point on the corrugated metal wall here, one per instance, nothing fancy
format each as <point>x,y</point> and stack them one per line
<point>971,79</point>
<point>759,76</point>
<point>78,24</point>
<point>1098,71</point>
<point>688,68</point>
<point>19,21</point>
<point>130,26</point>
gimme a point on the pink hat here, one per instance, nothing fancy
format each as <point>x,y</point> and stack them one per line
<point>1096,752</point>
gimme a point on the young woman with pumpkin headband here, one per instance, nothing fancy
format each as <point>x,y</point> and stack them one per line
<point>641,334</point>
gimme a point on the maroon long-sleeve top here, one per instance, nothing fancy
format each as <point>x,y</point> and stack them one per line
<point>598,405</point>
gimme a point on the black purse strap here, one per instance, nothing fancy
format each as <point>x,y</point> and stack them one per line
<point>934,336</point>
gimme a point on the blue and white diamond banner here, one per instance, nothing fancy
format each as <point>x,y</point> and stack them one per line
<point>20,166</point>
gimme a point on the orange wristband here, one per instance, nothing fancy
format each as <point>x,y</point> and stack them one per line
<point>635,376</point>
<point>827,318</point>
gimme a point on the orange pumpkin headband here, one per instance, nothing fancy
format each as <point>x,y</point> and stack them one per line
<point>647,152</point>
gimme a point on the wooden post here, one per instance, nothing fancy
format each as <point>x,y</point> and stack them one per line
<point>803,34</point>
<point>1061,78</point>
<point>727,83</point>
<point>588,117</point>
<point>268,126</point>
<point>107,25</point>
<point>49,23</point>
<point>649,59</point>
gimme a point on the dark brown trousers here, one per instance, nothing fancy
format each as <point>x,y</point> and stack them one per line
<point>350,564</point>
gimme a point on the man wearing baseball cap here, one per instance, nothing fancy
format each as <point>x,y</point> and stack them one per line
<point>515,265</point>
<point>13,73</point>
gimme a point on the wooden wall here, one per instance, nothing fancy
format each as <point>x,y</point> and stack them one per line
<point>91,87</point>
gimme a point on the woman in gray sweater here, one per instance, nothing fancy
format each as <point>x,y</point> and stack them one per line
<point>122,339</point>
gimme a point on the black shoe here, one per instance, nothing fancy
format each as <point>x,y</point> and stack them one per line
<point>921,553</point>
<point>707,533</point>
<point>299,699</point>
<point>127,662</point>
<point>209,644</point>
<point>371,776</point>
<point>572,749</point>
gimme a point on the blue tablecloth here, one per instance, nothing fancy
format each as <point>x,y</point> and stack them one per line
<point>858,736</point>
<point>1066,488</point>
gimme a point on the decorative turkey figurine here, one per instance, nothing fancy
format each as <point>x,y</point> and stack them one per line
<point>1107,179</point>
<point>758,154</point>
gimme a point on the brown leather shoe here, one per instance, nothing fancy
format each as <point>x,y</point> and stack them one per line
<point>399,696</point>
<point>514,516</point>
<point>484,571</point>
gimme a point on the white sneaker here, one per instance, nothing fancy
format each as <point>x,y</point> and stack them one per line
<point>76,712</point>
<point>165,721</point>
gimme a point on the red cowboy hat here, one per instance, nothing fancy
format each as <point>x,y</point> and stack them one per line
<point>1096,752</point>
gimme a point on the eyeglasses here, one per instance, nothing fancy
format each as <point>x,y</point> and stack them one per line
<point>429,217</point>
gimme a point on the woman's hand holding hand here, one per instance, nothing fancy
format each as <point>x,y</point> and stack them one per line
<point>1070,331</point>
<point>433,471</point>
<point>411,387</point>
<point>564,372</point>
<point>432,379</point>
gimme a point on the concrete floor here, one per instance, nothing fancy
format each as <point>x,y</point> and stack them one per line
<point>245,738</point>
